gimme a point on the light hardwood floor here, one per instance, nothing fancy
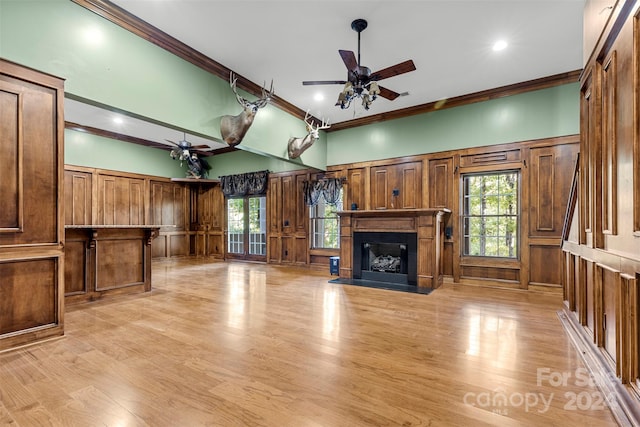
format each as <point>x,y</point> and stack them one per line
<point>243,344</point>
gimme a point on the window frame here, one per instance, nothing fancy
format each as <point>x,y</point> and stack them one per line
<point>314,219</point>
<point>464,251</point>
<point>247,243</point>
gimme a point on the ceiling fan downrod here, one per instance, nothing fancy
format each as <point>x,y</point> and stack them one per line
<point>359,25</point>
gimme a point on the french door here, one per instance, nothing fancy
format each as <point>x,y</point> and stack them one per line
<point>247,228</point>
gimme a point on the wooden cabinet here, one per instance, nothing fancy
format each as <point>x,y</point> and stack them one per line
<point>78,197</point>
<point>120,200</point>
<point>31,218</point>
<point>168,201</point>
<point>355,193</point>
<point>287,219</point>
<point>210,213</point>
<point>396,186</point>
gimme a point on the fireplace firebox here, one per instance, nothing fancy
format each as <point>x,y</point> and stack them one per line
<point>385,257</point>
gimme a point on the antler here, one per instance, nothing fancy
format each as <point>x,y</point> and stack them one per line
<point>266,96</point>
<point>259,103</point>
<point>325,125</point>
<point>311,128</point>
<point>232,82</point>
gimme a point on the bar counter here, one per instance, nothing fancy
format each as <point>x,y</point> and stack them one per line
<point>103,260</point>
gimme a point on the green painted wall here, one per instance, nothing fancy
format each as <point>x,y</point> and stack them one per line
<point>539,114</point>
<point>245,161</point>
<point>126,72</point>
<point>83,149</point>
<point>131,74</point>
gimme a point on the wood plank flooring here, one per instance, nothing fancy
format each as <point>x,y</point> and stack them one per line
<point>243,344</point>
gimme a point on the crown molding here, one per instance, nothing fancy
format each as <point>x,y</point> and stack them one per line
<point>135,140</point>
<point>143,29</point>
<point>485,95</point>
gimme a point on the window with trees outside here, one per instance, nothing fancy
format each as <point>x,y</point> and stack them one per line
<point>325,224</point>
<point>247,226</point>
<point>491,214</point>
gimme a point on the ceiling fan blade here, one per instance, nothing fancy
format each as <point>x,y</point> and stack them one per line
<point>197,147</point>
<point>174,143</point>
<point>394,70</point>
<point>388,93</point>
<point>204,153</point>
<point>349,59</point>
<point>324,82</point>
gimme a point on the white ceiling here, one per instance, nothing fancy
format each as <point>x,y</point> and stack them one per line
<point>450,42</point>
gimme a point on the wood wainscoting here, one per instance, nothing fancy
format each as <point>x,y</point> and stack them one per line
<point>31,209</point>
<point>601,259</point>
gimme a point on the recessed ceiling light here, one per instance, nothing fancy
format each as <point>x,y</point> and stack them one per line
<point>499,45</point>
<point>118,120</point>
<point>318,96</point>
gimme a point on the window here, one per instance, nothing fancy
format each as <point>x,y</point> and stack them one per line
<point>247,226</point>
<point>325,224</point>
<point>491,214</point>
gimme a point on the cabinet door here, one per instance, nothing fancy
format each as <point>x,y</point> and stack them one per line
<point>380,187</point>
<point>120,201</point>
<point>397,186</point>
<point>288,204</point>
<point>77,197</point>
<point>355,189</point>
<point>408,181</point>
<point>274,203</point>
<point>302,214</point>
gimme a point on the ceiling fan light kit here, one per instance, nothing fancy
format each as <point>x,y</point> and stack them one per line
<point>361,82</point>
<point>184,151</point>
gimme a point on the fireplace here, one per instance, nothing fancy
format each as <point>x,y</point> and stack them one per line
<point>385,257</point>
<point>393,245</point>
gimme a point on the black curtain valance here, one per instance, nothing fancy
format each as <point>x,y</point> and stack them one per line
<point>250,183</point>
<point>328,188</point>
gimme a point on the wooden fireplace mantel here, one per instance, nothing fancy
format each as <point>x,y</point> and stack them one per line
<point>428,224</point>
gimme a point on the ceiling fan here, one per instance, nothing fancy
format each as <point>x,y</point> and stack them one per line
<point>185,151</point>
<point>184,147</point>
<point>361,82</point>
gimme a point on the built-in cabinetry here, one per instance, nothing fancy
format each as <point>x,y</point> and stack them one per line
<point>601,259</point>
<point>287,219</point>
<point>396,186</point>
<point>31,216</point>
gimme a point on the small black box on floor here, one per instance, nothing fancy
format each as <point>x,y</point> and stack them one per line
<point>334,265</point>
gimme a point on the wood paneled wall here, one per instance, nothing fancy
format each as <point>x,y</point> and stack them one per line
<point>191,215</point>
<point>31,213</point>
<point>434,180</point>
<point>601,260</point>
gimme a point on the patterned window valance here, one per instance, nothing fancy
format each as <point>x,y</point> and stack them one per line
<point>250,183</point>
<point>328,188</point>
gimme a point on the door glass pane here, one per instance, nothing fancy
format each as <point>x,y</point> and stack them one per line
<point>235,223</point>
<point>257,226</point>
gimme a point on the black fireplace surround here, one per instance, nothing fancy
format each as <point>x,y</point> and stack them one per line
<point>385,257</point>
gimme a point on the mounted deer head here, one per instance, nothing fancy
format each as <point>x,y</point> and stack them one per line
<point>297,146</point>
<point>233,128</point>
